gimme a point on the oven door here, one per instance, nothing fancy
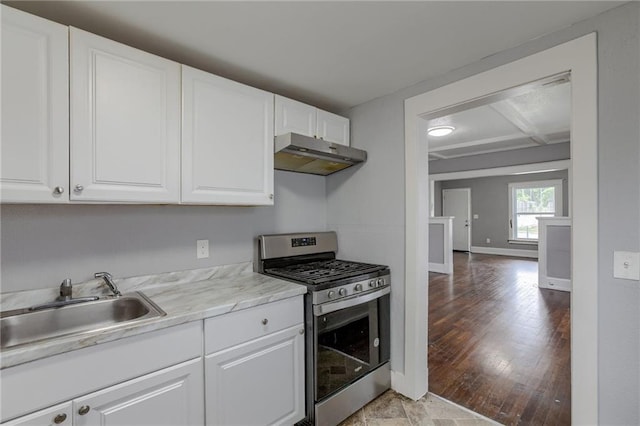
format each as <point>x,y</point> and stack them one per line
<point>351,338</point>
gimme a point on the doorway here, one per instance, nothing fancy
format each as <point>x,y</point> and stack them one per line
<point>456,203</point>
<point>578,57</point>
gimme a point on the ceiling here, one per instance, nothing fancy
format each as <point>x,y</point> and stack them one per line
<point>334,55</point>
<point>539,116</point>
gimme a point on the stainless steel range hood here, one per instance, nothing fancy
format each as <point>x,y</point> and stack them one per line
<point>304,154</point>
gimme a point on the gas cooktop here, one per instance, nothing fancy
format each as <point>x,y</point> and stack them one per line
<point>319,272</point>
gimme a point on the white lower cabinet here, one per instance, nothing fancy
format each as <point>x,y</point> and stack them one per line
<point>172,396</point>
<point>253,374</point>
<point>56,415</point>
<point>260,382</point>
<point>254,365</point>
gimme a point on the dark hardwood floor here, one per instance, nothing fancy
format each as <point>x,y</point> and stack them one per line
<point>498,344</point>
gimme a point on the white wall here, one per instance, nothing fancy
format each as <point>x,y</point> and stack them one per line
<point>369,208</point>
<point>43,244</point>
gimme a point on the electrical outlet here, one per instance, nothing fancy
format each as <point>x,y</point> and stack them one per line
<point>488,240</point>
<point>202,249</point>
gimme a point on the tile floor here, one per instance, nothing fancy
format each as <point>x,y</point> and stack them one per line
<point>393,409</point>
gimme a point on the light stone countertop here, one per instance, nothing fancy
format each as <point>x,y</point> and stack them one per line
<point>185,296</point>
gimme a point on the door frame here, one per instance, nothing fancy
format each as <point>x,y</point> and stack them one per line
<point>579,57</point>
<point>468,192</point>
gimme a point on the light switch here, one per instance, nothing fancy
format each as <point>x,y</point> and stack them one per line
<point>626,265</point>
<point>475,216</point>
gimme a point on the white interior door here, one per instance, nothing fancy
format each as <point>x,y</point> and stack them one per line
<point>457,203</point>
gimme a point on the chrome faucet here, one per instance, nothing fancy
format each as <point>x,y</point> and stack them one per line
<point>108,279</point>
<point>65,290</point>
<point>65,298</point>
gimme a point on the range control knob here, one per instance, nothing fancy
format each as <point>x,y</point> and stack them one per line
<point>358,287</point>
<point>342,292</point>
<point>331,294</point>
<point>381,282</point>
<point>372,283</point>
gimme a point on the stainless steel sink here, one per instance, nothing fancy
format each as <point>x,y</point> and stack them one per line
<point>23,326</point>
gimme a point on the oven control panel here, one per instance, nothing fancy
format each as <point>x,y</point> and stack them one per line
<point>352,289</point>
<point>303,242</point>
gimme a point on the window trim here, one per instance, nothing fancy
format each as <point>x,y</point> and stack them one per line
<point>559,200</point>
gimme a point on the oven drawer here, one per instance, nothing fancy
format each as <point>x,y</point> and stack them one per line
<point>237,327</point>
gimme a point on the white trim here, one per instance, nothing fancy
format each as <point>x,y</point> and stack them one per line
<point>533,254</point>
<point>547,166</point>
<point>441,268</point>
<point>447,266</point>
<point>579,57</point>
<point>544,280</point>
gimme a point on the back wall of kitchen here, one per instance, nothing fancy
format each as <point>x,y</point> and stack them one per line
<point>43,244</point>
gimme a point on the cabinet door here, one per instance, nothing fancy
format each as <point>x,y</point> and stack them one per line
<point>294,117</point>
<point>35,109</point>
<point>257,383</point>
<point>125,123</point>
<point>173,396</point>
<point>227,141</point>
<point>333,128</point>
<point>56,415</point>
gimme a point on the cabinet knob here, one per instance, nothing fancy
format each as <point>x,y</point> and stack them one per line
<point>78,188</point>
<point>58,190</point>
<point>271,196</point>
<point>60,418</point>
<point>265,321</point>
<point>301,331</point>
<point>84,410</point>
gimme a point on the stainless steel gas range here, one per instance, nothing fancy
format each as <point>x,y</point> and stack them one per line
<point>347,321</point>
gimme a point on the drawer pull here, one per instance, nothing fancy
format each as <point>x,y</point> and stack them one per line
<point>265,321</point>
<point>60,418</point>
<point>84,410</point>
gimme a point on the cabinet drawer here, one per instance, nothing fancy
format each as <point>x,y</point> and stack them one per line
<point>237,327</point>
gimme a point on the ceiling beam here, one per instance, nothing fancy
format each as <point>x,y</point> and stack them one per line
<point>477,142</point>
<point>506,109</point>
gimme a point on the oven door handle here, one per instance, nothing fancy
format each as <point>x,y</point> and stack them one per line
<point>326,308</point>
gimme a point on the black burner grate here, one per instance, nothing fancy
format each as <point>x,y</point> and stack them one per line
<point>324,271</point>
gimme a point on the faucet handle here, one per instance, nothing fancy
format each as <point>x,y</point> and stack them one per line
<point>66,288</point>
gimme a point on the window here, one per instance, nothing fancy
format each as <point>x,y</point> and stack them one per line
<point>529,200</point>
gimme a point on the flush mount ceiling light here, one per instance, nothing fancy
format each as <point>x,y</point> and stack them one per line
<point>440,131</point>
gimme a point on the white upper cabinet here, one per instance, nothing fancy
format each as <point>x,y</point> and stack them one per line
<point>296,117</point>
<point>333,128</point>
<point>227,141</point>
<point>35,110</point>
<point>125,123</point>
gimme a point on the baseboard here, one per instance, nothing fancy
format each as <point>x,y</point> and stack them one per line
<point>441,268</point>
<point>505,252</point>
<point>555,283</point>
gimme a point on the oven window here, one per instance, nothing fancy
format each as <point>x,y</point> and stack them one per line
<point>344,346</point>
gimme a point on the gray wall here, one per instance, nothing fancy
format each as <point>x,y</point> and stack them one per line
<point>368,206</point>
<point>514,157</point>
<point>436,243</point>
<point>490,201</point>
<point>43,244</point>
